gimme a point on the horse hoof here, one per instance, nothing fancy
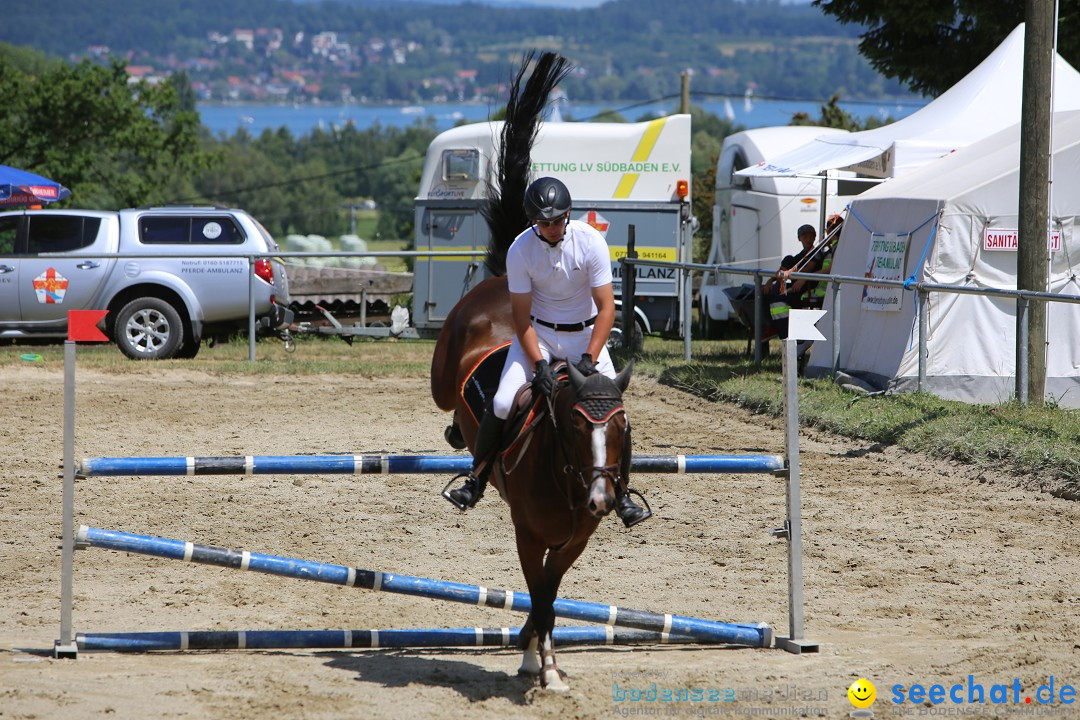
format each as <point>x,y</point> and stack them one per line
<point>553,682</point>
<point>530,667</point>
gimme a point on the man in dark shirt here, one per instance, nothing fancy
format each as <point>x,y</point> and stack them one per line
<point>781,293</point>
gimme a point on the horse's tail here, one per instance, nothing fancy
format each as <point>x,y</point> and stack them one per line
<point>506,187</point>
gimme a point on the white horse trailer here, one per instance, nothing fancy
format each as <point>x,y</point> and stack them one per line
<point>755,219</point>
<point>619,175</point>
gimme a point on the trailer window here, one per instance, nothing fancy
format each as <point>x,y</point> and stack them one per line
<point>461,165</point>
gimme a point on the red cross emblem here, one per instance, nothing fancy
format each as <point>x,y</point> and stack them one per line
<point>50,287</point>
<point>598,221</point>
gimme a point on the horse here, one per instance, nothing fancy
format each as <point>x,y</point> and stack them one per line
<point>559,473</point>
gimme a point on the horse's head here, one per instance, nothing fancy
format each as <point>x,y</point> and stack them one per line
<point>599,425</point>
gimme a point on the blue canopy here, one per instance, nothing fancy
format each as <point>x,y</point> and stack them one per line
<point>18,187</point>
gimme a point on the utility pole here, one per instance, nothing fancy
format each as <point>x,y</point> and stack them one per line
<point>1032,253</point>
<point>684,101</point>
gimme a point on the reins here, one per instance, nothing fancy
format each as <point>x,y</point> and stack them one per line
<point>597,408</point>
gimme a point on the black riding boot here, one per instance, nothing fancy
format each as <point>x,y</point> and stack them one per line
<point>628,511</point>
<point>487,443</point>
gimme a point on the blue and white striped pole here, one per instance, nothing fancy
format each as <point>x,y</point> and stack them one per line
<point>343,639</point>
<point>392,464</point>
<point>752,634</point>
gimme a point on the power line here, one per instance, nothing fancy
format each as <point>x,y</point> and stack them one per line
<point>784,98</point>
<point>295,181</point>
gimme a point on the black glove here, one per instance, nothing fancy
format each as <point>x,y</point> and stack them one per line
<point>586,365</point>
<point>544,379</point>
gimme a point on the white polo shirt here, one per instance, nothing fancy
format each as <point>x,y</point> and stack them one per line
<point>560,278</point>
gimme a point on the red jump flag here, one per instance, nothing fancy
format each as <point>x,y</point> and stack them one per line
<point>82,325</point>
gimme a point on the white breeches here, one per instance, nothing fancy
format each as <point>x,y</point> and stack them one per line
<point>553,344</point>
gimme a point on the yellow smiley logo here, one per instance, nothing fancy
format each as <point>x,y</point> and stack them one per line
<point>862,693</point>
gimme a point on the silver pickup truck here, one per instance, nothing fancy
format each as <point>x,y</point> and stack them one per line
<point>187,278</point>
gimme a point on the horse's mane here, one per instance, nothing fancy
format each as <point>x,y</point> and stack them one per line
<point>506,184</point>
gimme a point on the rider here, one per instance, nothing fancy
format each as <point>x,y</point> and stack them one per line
<point>559,274</point>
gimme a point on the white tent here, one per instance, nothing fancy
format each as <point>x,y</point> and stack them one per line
<point>954,222</point>
<point>987,100</point>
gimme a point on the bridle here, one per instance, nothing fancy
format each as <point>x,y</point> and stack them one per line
<point>598,402</point>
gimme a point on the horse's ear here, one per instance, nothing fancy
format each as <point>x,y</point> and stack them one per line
<point>576,378</point>
<point>623,378</point>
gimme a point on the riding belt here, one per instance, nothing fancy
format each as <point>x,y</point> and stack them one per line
<point>566,327</point>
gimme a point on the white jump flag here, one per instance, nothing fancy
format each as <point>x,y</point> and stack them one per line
<point>802,324</point>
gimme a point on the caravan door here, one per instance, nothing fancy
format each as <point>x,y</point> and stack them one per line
<point>744,227</point>
<point>446,279</point>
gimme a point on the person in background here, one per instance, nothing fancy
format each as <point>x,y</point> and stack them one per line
<point>559,274</point>
<point>781,292</point>
<point>824,257</point>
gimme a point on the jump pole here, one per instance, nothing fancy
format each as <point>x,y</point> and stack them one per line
<point>344,639</point>
<point>392,464</point>
<point>751,634</point>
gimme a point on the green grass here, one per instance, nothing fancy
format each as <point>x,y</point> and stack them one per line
<point>1038,444</point>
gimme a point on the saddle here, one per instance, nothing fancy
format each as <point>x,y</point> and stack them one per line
<point>480,385</point>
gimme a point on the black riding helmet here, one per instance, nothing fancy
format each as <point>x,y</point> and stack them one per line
<point>545,199</point>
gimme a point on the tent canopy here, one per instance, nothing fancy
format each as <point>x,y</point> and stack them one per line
<point>955,223</point>
<point>986,100</point>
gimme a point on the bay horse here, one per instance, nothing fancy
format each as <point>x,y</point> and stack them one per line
<point>558,475</point>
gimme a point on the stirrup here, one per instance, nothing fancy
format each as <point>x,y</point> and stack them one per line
<point>447,492</point>
<point>646,512</point>
<point>452,434</point>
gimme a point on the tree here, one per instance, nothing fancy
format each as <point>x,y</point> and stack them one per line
<point>112,143</point>
<point>931,44</point>
<point>832,115</point>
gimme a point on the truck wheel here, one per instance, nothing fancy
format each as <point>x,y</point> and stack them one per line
<point>149,328</point>
<point>706,325</point>
<point>615,339</point>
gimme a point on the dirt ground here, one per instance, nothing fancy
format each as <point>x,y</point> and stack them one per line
<point>918,572</point>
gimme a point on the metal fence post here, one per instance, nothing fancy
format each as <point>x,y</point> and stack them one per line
<point>688,301</point>
<point>922,295</point>
<point>834,287</point>
<point>629,278</point>
<point>757,321</point>
<point>251,308</point>
<point>1022,351</point>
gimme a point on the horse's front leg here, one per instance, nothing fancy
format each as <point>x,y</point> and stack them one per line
<point>556,565</point>
<point>530,656</point>
<point>531,557</point>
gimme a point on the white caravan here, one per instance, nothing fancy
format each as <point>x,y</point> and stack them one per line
<point>755,218</point>
<point>619,175</point>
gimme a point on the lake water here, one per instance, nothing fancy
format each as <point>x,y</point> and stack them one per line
<point>302,119</point>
